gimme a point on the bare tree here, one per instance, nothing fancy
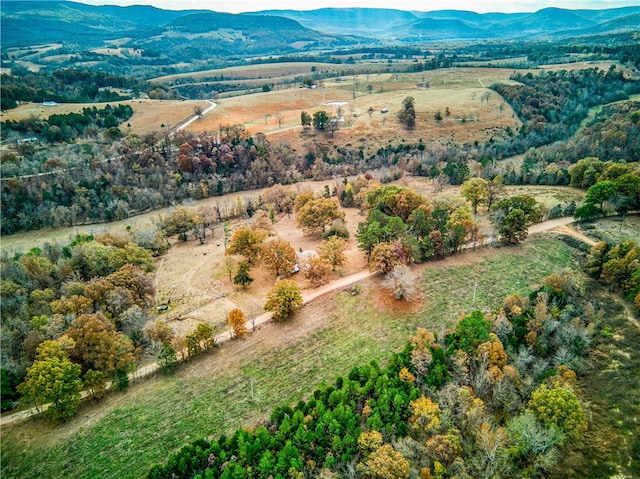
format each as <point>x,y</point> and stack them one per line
<point>402,283</point>
<point>280,118</point>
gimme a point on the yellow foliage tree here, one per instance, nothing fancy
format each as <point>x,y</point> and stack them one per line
<point>369,441</point>
<point>332,251</point>
<point>385,463</point>
<point>247,242</point>
<point>318,213</point>
<point>284,299</point>
<point>238,322</point>
<point>278,257</point>
<point>425,416</point>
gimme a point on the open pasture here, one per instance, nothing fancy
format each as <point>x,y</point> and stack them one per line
<point>460,91</point>
<point>148,115</point>
<point>262,70</point>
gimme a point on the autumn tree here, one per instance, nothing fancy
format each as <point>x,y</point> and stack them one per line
<point>425,417</point>
<point>247,242</point>
<point>99,346</point>
<point>332,251</point>
<point>495,190</point>
<point>514,227</point>
<point>475,191</point>
<point>205,335</point>
<point>278,257</point>
<point>238,322</point>
<point>242,277</point>
<point>302,199</point>
<point>280,197</point>
<point>284,299</point>
<point>462,227</point>
<point>385,463</point>
<point>316,270</point>
<point>559,407</point>
<point>180,222</point>
<point>53,379</point>
<point>319,213</point>
<point>393,200</point>
<point>384,257</point>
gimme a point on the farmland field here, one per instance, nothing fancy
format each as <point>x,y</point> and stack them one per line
<point>148,115</point>
<point>127,432</point>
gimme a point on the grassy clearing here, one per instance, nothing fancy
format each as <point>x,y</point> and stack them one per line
<point>128,432</point>
<point>613,230</point>
<point>611,446</point>
<point>549,196</point>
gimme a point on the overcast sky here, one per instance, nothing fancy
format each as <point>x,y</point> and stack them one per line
<point>480,6</point>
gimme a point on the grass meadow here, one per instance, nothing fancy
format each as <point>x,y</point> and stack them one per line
<point>126,433</point>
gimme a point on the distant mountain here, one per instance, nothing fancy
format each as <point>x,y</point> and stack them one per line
<point>26,23</point>
<point>195,33</point>
<point>203,35</point>
<point>348,21</point>
<point>545,21</point>
<point>459,24</point>
<point>433,29</point>
<point>164,37</point>
<point>479,20</point>
<point>621,24</point>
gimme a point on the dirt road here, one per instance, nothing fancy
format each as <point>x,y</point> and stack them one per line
<point>308,295</point>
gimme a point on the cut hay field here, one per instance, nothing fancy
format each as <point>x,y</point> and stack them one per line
<point>462,91</point>
<point>148,115</point>
<point>126,433</point>
<point>263,70</point>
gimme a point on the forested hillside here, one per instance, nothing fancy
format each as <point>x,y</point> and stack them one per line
<point>497,396</point>
<point>66,86</point>
<point>138,174</point>
<point>552,105</point>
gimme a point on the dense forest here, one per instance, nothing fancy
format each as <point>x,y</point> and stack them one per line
<point>138,174</point>
<point>65,86</point>
<point>552,105</point>
<point>497,396</point>
<point>94,291</point>
<point>64,128</point>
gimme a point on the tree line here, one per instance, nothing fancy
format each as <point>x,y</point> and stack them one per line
<point>552,105</point>
<point>67,127</point>
<point>65,86</point>
<point>137,173</point>
<point>79,307</point>
<point>496,396</point>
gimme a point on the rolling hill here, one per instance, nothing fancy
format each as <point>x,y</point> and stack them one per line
<point>143,39</point>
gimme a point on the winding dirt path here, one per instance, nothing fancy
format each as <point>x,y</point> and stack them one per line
<point>309,295</point>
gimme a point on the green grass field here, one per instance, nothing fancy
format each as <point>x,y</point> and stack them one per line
<point>126,433</point>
